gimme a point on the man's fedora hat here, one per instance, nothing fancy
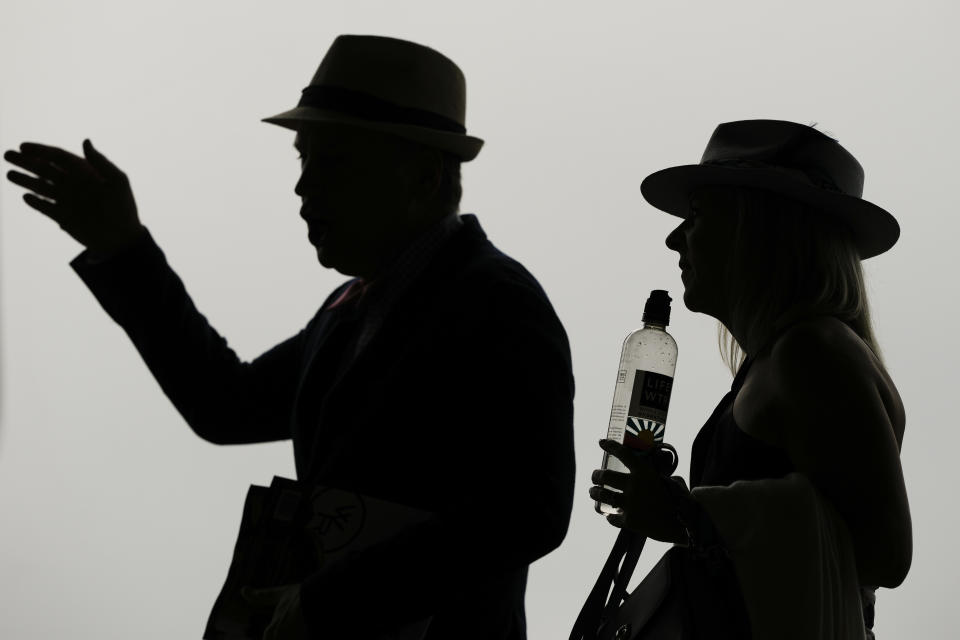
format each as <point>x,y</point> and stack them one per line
<point>388,85</point>
<point>790,159</point>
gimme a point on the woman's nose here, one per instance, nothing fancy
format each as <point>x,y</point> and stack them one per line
<point>300,189</point>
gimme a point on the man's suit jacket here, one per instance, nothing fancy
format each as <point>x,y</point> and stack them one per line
<point>461,404</point>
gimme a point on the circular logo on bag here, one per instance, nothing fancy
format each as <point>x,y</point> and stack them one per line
<point>338,518</point>
<point>623,632</point>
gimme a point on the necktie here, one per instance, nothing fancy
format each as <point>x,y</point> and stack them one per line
<point>335,350</point>
<point>351,295</point>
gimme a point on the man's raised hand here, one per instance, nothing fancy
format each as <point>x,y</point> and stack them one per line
<point>90,197</point>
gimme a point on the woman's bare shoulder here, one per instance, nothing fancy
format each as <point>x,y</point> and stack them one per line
<point>826,351</point>
<point>823,330</point>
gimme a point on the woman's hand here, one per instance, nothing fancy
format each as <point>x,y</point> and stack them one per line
<point>90,198</point>
<point>646,497</point>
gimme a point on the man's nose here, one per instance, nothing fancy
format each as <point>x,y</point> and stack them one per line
<point>676,239</point>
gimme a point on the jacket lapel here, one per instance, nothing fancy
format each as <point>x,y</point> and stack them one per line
<point>329,369</point>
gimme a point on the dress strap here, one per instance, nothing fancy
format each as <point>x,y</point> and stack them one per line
<point>741,374</point>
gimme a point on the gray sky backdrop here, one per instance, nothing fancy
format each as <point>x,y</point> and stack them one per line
<point>117,521</point>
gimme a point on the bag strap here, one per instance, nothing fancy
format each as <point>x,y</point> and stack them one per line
<point>620,593</point>
<point>627,547</point>
<point>594,612</point>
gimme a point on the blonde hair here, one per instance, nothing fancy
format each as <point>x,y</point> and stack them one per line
<point>790,262</point>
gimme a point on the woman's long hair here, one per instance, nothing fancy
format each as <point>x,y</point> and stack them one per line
<point>790,262</point>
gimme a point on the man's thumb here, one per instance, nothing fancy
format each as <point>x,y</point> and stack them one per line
<point>99,161</point>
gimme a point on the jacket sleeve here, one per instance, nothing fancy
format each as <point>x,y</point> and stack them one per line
<point>224,400</point>
<point>509,466</point>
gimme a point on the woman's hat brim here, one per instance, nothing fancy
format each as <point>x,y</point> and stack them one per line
<point>875,230</point>
<point>464,146</point>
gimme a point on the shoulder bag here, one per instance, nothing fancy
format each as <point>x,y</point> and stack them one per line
<point>692,593</point>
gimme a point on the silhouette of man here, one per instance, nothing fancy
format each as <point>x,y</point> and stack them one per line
<point>438,376</point>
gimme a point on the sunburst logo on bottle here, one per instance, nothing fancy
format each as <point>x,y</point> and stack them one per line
<point>647,412</point>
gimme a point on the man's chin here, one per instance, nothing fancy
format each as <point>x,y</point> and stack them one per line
<point>331,262</point>
<point>323,257</point>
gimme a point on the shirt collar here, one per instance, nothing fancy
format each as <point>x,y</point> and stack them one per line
<point>409,263</point>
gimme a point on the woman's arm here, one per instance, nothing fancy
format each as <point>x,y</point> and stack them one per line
<point>837,431</point>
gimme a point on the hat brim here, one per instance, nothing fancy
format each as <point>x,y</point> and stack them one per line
<point>875,230</point>
<point>464,146</point>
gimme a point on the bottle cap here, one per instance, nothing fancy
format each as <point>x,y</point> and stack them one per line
<point>657,309</point>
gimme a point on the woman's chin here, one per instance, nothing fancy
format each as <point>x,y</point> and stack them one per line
<point>690,300</point>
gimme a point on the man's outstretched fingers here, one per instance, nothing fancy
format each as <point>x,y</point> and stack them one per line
<point>38,165</point>
<point>57,164</point>
<point>45,152</point>
<point>42,187</point>
<point>45,207</point>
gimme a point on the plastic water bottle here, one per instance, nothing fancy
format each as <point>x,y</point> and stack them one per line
<point>644,382</point>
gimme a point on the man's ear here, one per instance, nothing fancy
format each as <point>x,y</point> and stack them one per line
<point>425,175</point>
<point>432,172</point>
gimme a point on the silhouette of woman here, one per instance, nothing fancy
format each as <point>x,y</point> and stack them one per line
<point>774,229</point>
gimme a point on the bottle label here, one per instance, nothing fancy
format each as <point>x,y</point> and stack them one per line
<point>647,413</point>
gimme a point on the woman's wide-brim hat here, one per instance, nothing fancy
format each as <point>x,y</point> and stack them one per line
<point>790,159</point>
<point>388,85</point>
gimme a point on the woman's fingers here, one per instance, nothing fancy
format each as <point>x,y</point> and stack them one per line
<point>606,496</point>
<point>617,520</point>
<point>44,188</point>
<point>615,449</point>
<point>631,459</point>
<point>639,461</point>
<point>610,478</point>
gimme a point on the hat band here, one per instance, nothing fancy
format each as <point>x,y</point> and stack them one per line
<point>363,105</point>
<point>814,177</point>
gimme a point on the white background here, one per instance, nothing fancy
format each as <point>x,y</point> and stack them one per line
<point>118,522</point>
